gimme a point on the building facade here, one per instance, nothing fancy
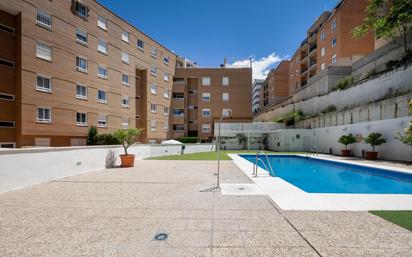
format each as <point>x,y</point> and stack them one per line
<point>256,86</point>
<point>276,85</point>
<point>67,65</point>
<point>201,95</point>
<point>329,41</point>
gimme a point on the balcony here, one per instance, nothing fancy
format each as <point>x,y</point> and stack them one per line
<point>304,42</point>
<point>312,63</point>
<point>313,48</point>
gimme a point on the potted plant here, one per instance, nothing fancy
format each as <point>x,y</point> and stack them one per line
<point>127,137</point>
<point>346,140</point>
<point>373,139</point>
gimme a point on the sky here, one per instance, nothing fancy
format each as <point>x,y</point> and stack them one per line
<point>207,31</point>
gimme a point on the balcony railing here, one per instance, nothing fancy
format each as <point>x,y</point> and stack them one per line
<point>312,48</point>
<point>312,62</point>
<point>304,42</point>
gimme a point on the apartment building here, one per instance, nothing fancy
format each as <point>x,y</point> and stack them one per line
<point>67,65</point>
<point>329,41</point>
<point>202,95</point>
<point>256,86</point>
<point>276,85</point>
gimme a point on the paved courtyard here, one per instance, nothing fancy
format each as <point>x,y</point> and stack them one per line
<point>117,212</point>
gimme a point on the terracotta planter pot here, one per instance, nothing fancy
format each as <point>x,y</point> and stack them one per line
<point>371,155</point>
<point>346,153</point>
<point>127,160</point>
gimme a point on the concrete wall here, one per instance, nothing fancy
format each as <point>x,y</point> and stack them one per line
<point>369,91</point>
<point>325,139</point>
<point>24,167</point>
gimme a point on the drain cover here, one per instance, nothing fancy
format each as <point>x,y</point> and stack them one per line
<point>241,188</point>
<point>160,237</point>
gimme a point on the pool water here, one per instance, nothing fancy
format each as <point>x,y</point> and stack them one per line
<point>321,176</point>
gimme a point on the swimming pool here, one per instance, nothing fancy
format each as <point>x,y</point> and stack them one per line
<point>322,176</point>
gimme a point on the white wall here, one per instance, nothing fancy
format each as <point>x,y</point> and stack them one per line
<point>24,167</point>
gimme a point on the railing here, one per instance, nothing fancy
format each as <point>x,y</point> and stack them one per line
<point>255,166</point>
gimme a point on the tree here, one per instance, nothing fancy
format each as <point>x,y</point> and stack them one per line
<point>374,139</point>
<point>388,22</point>
<point>92,136</point>
<point>406,138</point>
<point>347,140</point>
<point>127,137</point>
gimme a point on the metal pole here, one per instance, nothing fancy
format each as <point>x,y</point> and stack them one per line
<point>218,157</point>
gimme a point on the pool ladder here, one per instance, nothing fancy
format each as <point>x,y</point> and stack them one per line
<point>255,165</point>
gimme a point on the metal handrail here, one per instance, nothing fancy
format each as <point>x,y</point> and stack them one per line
<point>255,165</point>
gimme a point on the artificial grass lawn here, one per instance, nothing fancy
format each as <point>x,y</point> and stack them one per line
<point>207,155</point>
<point>401,218</point>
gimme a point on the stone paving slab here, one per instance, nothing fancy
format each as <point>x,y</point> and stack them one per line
<point>117,212</point>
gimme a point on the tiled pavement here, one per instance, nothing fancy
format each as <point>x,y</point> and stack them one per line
<point>117,212</point>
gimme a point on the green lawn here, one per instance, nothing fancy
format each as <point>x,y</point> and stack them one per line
<point>401,218</point>
<point>206,155</point>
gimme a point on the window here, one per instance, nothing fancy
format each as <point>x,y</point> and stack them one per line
<point>166,76</point>
<point>166,111</point>
<point>7,63</point>
<point>206,81</point>
<point>166,127</point>
<point>102,121</point>
<point>166,93</point>
<point>322,35</point>
<point>102,46</point>
<point>102,72</point>
<point>334,42</point>
<point>153,108</point>
<point>125,36</point>
<point>206,128</point>
<point>153,126</point>
<point>43,51</point>
<point>140,44</point>
<point>81,9</point>
<point>101,22</point>
<point>125,101</point>
<point>6,97</point>
<point>225,96</point>
<point>226,112</point>
<point>81,64</point>
<point>7,124</point>
<point>225,81</point>
<point>322,66</point>
<point>322,51</point>
<point>152,141</point>
<point>43,83</point>
<point>101,96</point>
<point>178,112</point>
<point>166,60</point>
<point>125,58</point>
<point>334,24</point>
<point>7,145</point>
<point>153,70</point>
<point>125,123</point>
<point>153,89</point>
<point>153,51</point>
<point>205,112</point>
<point>178,96</point>
<point>81,36</point>
<point>81,119</point>
<point>43,115</point>
<point>81,92</point>
<point>334,58</point>
<point>205,97</point>
<point>44,19</point>
<point>125,79</point>
<point>178,127</point>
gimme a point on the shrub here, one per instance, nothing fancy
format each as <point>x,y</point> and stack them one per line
<point>374,139</point>
<point>107,139</point>
<point>127,137</point>
<point>188,140</point>
<point>344,83</point>
<point>92,136</point>
<point>330,108</point>
<point>347,140</point>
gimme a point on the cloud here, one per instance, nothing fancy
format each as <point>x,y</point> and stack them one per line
<point>260,67</point>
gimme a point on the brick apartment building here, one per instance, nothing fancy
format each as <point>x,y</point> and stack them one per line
<point>256,86</point>
<point>201,95</point>
<point>329,41</point>
<point>276,86</point>
<point>68,65</point>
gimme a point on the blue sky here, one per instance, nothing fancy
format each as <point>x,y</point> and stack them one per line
<point>206,31</point>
